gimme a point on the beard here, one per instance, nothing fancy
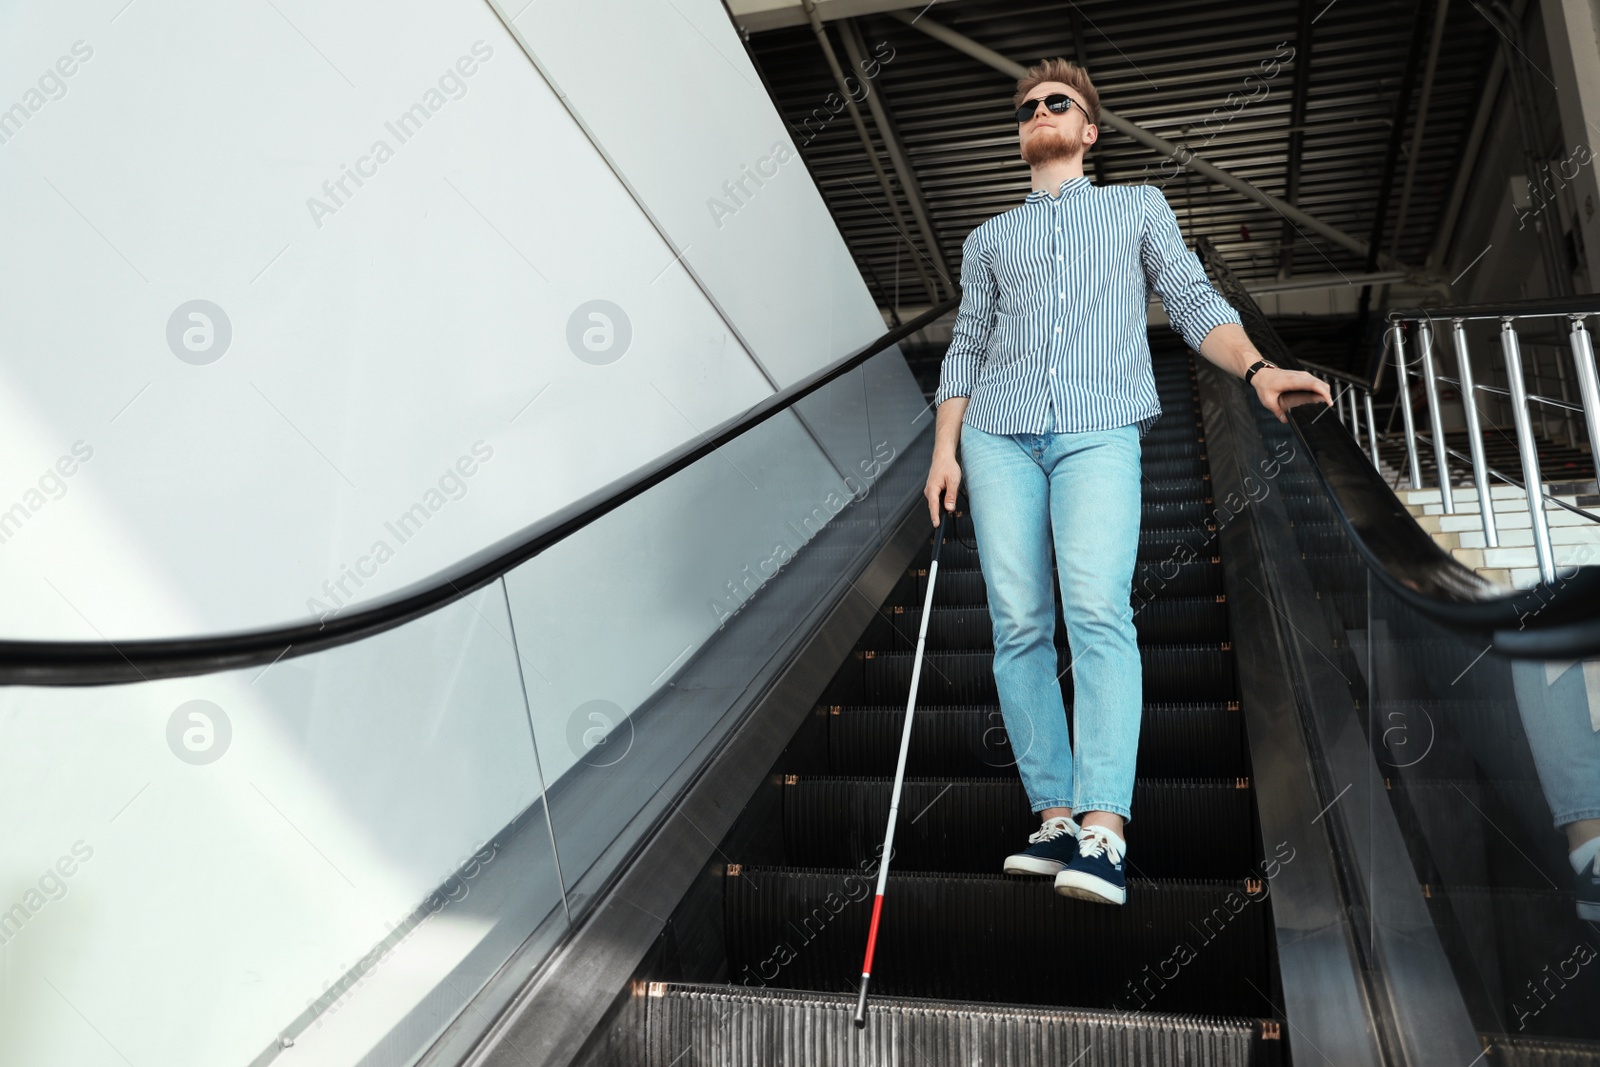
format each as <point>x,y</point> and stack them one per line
<point>1051,145</point>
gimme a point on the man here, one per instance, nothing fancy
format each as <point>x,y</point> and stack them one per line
<point>1050,352</point>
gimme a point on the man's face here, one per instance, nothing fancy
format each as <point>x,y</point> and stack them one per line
<point>1047,137</point>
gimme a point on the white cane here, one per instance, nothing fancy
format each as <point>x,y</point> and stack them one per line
<point>899,777</point>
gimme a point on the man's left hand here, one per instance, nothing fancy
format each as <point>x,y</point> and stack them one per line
<point>1272,382</point>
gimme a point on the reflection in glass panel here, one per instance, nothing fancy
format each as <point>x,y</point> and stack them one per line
<point>1493,770</point>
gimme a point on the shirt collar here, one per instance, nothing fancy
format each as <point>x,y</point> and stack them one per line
<point>1069,187</point>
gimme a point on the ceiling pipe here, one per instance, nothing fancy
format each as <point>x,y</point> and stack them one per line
<point>1466,163</point>
<point>855,48</point>
<point>872,154</point>
<point>1421,123</point>
<point>1297,134</point>
<point>1081,57</point>
<point>1391,156</point>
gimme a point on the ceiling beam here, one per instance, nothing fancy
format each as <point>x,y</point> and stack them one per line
<point>754,16</point>
<point>1162,145</point>
<point>1391,156</point>
<point>856,49</point>
<point>1466,162</point>
<point>1080,56</point>
<point>1297,133</point>
<point>899,221</point>
<point>1418,127</point>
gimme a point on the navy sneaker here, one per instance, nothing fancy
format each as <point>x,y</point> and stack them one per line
<point>1095,873</point>
<point>1049,848</point>
<point>1589,891</point>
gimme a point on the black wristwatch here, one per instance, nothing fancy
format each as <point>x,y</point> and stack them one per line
<point>1259,364</point>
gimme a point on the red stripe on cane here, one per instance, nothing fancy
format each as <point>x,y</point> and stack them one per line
<point>872,934</point>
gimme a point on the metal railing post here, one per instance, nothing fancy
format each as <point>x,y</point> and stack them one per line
<point>1430,386</point>
<point>1588,387</point>
<point>1469,403</point>
<point>1531,479</point>
<point>1566,396</point>
<point>1355,414</point>
<point>1403,384</point>
<point>1372,428</point>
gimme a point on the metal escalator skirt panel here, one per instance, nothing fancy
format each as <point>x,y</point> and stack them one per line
<point>695,1026</point>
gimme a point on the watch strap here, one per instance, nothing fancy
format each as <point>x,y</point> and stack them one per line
<point>1259,364</point>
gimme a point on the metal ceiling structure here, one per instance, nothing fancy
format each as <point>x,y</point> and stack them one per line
<point>1168,68</point>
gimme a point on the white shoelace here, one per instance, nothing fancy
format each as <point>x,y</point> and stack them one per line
<point>1051,830</point>
<point>1096,841</point>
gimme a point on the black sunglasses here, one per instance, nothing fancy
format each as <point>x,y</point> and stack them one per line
<point>1056,102</point>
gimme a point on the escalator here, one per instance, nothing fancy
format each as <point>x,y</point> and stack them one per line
<point>759,963</point>
<point>1301,883</point>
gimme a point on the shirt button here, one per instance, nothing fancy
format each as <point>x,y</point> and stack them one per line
<point>1052,370</point>
<point>1058,329</point>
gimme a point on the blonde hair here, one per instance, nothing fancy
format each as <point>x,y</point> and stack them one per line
<point>1060,70</point>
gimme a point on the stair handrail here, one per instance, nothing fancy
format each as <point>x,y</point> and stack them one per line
<point>1421,321</point>
<point>1557,618</point>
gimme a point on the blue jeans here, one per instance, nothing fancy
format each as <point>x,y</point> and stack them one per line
<point>1566,747</point>
<point>1082,491</point>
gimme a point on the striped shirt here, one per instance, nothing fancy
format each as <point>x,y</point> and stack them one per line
<point>1052,331</point>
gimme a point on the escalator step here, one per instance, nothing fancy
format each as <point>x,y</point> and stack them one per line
<point>1156,544</point>
<point>961,586</point>
<point>1539,941</point>
<point>682,1025</point>
<point>1520,1050</point>
<point>1163,620</point>
<point>1174,468</point>
<point>1171,673</point>
<point>1153,490</point>
<point>1156,516</point>
<point>1171,446</point>
<point>1175,946</point>
<point>1175,740</point>
<point>1180,828</point>
<point>1163,528</point>
<point>1155,513</point>
<point>1176,542</point>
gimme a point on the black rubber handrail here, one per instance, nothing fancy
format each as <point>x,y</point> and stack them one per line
<point>1550,620</point>
<point>63,663</point>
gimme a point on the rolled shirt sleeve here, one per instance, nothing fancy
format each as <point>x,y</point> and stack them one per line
<point>1193,305</point>
<point>969,340</point>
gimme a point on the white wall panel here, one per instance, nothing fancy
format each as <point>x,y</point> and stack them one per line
<point>210,902</point>
<point>371,348</point>
<point>669,94</point>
